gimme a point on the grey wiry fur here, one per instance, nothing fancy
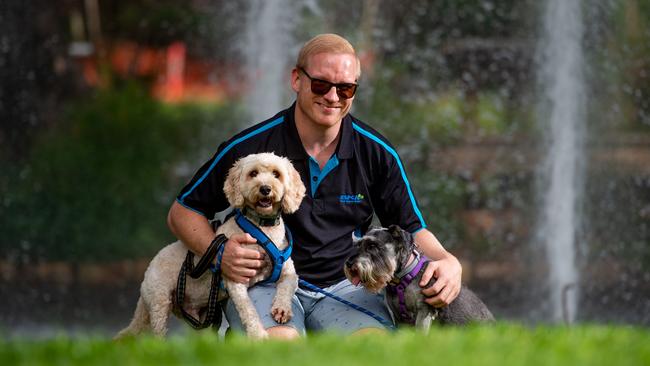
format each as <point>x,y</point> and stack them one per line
<point>383,252</point>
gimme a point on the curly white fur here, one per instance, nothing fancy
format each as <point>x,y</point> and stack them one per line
<point>243,188</point>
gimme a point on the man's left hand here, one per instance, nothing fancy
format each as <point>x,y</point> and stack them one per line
<point>448,273</point>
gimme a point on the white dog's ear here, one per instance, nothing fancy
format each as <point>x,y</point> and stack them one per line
<point>232,187</point>
<point>295,190</point>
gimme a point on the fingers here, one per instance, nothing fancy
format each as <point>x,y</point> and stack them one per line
<point>244,238</point>
<point>235,248</point>
<point>444,297</point>
<point>441,299</point>
<point>432,273</point>
<point>444,290</point>
<point>244,274</point>
<point>429,274</point>
<point>234,277</point>
<point>250,263</point>
<point>238,262</point>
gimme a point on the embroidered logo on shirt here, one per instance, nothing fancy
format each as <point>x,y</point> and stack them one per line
<point>351,198</point>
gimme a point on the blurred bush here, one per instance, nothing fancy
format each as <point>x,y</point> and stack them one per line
<point>421,127</point>
<point>99,184</point>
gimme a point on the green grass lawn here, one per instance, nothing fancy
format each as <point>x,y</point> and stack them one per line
<point>503,344</point>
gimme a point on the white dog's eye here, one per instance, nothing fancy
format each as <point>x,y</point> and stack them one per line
<point>276,174</point>
<point>253,174</point>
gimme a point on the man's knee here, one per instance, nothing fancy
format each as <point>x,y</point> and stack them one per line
<point>283,332</point>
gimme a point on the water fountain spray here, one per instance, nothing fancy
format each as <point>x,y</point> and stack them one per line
<point>560,58</point>
<point>267,50</point>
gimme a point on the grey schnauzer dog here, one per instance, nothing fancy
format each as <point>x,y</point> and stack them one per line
<point>389,258</point>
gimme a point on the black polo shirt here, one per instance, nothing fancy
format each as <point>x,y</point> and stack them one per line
<point>364,176</point>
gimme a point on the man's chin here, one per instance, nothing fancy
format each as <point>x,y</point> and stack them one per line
<point>328,120</point>
<point>329,111</point>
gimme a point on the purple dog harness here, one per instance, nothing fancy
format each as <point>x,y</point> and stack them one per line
<point>402,280</point>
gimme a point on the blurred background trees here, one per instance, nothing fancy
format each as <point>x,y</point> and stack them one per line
<point>107,107</point>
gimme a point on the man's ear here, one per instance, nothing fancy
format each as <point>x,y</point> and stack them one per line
<point>295,80</point>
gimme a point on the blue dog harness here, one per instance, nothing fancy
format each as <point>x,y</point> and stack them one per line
<point>278,257</point>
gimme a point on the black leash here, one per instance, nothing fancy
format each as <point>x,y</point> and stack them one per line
<point>213,315</point>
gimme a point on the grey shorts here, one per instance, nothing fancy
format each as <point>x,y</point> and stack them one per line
<point>313,311</point>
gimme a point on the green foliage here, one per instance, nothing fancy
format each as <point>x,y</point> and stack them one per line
<point>621,67</point>
<point>440,197</point>
<point>444,118</point>
<point>500,345</point>
<point>155,22</point>
<point>419,128</point>
<point>98,186</point>
<point>491,116</point>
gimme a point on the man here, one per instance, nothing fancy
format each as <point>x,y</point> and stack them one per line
<point>351,172</point>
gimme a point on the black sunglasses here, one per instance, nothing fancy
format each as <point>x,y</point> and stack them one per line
<point>322,87</point>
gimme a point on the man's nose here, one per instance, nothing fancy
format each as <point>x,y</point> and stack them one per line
<point>265,190</point>
<point>331,95</point>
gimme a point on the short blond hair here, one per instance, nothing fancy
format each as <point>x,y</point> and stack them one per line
<point>326,43</point>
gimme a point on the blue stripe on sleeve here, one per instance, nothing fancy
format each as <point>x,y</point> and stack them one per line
<point>399,163</point>
<point>230,146</point>
<point>190,208</point>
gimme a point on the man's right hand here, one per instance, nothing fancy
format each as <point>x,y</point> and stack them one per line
<point>240,263</point>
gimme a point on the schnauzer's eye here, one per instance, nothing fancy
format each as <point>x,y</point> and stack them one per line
<point>253,174</point>
<point>276,174</point>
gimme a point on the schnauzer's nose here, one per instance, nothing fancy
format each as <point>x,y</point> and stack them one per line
<point>265,190</point>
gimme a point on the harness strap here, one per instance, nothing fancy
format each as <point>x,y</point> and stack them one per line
<point>354,306</point>
<point>408,268</point>
<point>403,284</point>
<point>278,257</point>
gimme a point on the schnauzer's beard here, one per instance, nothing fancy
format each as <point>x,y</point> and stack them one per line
<point>373,276</point>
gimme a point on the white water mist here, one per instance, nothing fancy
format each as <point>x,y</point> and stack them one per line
<point>268,48</point>
<point>560,59</point>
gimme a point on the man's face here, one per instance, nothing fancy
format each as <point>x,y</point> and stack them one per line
<point>329,109</point>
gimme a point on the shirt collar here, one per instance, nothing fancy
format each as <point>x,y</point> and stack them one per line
<point>295,150</point>
<point>344,149</point>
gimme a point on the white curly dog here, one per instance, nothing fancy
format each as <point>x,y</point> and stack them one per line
<point>261,185</point>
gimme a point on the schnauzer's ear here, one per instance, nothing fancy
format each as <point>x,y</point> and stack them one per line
<point>232,187</point>
<point>400,235</point>
<point>295,190</point>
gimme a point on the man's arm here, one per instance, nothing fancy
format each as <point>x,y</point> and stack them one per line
<point>444,267</point>
<point>239,264</point>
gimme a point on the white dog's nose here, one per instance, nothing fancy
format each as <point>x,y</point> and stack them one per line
<point>265,190</point>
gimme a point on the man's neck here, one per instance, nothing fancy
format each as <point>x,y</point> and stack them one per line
<point>319,142</point>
